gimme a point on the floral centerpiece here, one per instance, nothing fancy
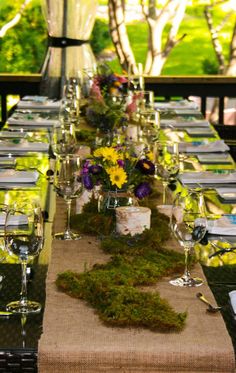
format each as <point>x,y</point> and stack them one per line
<point>119,169</point>
<point>105,109</point>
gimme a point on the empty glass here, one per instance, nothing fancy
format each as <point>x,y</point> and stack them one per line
<point>166,157</point>
<point>63,140</point>
<point>189,224</point>
<point>67,182</point>
<point>24,240</point>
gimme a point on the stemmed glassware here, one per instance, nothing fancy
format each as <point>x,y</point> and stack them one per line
<point>24,237</point>
<point>63,139</point>
<point>166,158</point>
<point>3,215</point>
<point>188,222</point>
<point>135,81</point>
<point>68,185</point>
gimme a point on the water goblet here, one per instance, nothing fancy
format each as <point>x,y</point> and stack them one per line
<point>3,215</point>
<point>150,124</point>
<point>63,139</point>
<point>68,185</point>
<point>166,159</point>
<point>135,80</point>
<point>188,223</point>
<point>24,239</point>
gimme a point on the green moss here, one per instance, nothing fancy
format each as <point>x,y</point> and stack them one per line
<point>112,289</point>
<point>122,305</point>
<point>85,137</point>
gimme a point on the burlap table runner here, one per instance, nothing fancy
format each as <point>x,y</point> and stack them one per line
<point>75,340</point>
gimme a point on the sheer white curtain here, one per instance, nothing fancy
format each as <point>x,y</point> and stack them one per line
<point>70,23</point>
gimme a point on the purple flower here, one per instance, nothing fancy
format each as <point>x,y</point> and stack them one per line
<point>142,190</point>
<point>121,163</point>
<point>145,166</point>
<point>88,182</point>
<point>95,169</point>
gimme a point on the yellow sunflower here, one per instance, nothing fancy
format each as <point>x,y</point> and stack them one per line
<point>110,155</point>
<point>117,176</point>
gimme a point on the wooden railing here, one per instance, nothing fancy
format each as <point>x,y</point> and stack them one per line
<point>16,84</point>
<point>168,87</point>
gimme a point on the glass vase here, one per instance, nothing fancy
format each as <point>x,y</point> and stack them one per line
<point>111,199</point>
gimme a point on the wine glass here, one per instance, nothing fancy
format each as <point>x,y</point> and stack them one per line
<point>135,80</point>
<point>150,125</point>
<point>69,109</point>
<point>63,139</point>
<point>3,215</point>
<point>166,158</point>
<point>24,239</point>
<point>188,222</point>
<point>68,185</point>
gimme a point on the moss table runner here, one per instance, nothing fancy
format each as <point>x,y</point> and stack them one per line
<point>75,340</point>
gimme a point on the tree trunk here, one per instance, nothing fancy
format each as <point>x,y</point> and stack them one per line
<point>173,11</point>
<point>119,34</point>
<point>13,22</point>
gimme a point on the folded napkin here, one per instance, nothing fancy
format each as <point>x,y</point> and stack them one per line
<point>184,124</point>
<point>173,105</point>
<point>38,102</point>
<point>212,147</point>
<point>18,177</point>
<point>11,134</point>
<point>14,220</point>
<point>226,193</point>
<point>232,298</point>
<point>207,177</point>
<point>7,161</point>
<point>23,120</point>
<point>226,226</point>
<point>199,132</point>
<point>24,146</point>
<point>213,158</point>
<point>35,98</point>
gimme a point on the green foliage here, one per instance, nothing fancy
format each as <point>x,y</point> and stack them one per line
<point>100,38</point>
<point>198,41</point>
<point>111,288</point>
<point>24,46</point>
<point>210,66</point>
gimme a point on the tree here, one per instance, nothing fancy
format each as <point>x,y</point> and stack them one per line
<point>118,31</point>
<point>23,47</point>
<point>158,49</point>
<point>15,19</point>
<point>158,20</point>
<point>225,66</point>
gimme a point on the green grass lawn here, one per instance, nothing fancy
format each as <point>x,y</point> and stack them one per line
<point>187,57</point>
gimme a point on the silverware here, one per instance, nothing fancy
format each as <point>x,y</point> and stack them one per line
<point>211,308</point>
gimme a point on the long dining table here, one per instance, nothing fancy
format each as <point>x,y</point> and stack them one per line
<point>68,335</point>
